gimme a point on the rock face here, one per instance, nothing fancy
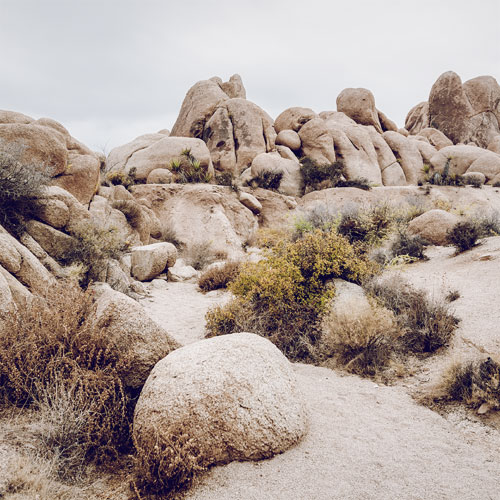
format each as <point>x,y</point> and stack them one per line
<point>433,226</point>
<point>234,129</point>
<point>149,261</point>
<point>136,337</point>
<point>200,213</point>
<point>47,143</point>
<point>233,397</point>
<point>464,112</point>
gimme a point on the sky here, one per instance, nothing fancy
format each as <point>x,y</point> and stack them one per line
<point>111,70</point>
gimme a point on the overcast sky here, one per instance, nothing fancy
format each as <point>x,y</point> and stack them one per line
<point>111,70</point>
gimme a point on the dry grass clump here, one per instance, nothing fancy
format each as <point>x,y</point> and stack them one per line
<point>407,244</point>
<point>427,323</point>
<point>165,466</point>
<point>359,342</point>
<point>283,296</point>
<point>200,254</point>
<point>219,277</point>
<point>132,211</point>
<point>474,383</point>
<point>53,360</point>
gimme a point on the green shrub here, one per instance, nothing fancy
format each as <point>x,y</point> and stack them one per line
<point>464,235</point>
<point>219,277</point>
<point>427,324</point>
<point>187,169</point>
<point>283,296</point>
<point>368,227</point>
<point>318,176</point>
<point>267,179</point>
<point>119,178</point>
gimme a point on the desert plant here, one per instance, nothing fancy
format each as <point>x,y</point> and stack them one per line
<point>187,169</point>
<point>119,178</point>
<point>368,227</point>
<point>358,182</point>
<point>427,323</point>
<point>317,176</point>
<point>55,360</point>
<point>284,295</point>
<point>200,254</point>
<point>224,179</point>
<point>407,244</point>
<point>474,383</point>
<point>452,295</point>
<point>267,179</point>
<point>444,178</point>
<point>219,277</point>
<point>360,342</point>
<point>132,211</point>
<point>166,466</point>
<point>464,235</point>
<point>93,247</point>
<point>21,183</point>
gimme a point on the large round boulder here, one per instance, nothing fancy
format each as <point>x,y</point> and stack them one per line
<point>149,261</point>
<point>434,226</point>
<point>229,398</point>
<point>359,104</point>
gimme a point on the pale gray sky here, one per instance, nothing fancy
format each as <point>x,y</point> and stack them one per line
<point>110,70</point>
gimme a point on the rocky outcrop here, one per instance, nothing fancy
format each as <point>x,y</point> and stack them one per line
<point>464,112</point>
<point>200,213</point>
<point>46,144</point>
<point>461,159</point>
<point>234,129</point>
<point>232,397</point>
<point>359,104</point>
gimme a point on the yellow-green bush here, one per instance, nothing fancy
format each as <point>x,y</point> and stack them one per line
<point>283,296</point>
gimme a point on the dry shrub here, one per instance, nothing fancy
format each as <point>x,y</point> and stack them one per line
<point>165,466</point>
<point>427,323</point>
<point>94,246</point>
<point>52,359</point>
<point>132,211</point>
<point>362,342</point>
<point>464,235</point>
<point>21,183</point>
<point>268,180</point>
<point>200,254</point>
<point>474,383</point>
<point>219,277</point>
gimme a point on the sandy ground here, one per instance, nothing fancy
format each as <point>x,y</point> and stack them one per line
<point>368,441</point>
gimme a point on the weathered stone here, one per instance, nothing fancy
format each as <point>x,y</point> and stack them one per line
<point>53,212</point>
<point>293,119</point>
<point>136,337</point>
<point>434,226</point>
<point>250,202</point>
<point>386,123</point>
<point>182,272</point>
<point>239,384</point>
<point>317,142</point>
<point>290,139</point>
<point>159,176</point>
<point>417,118</point>
<point>494,144</point>
<point>151,260</point>
<point>408,154</point>
<point>435,137</point>
<point>458,158</point>
<point>359,104</point>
